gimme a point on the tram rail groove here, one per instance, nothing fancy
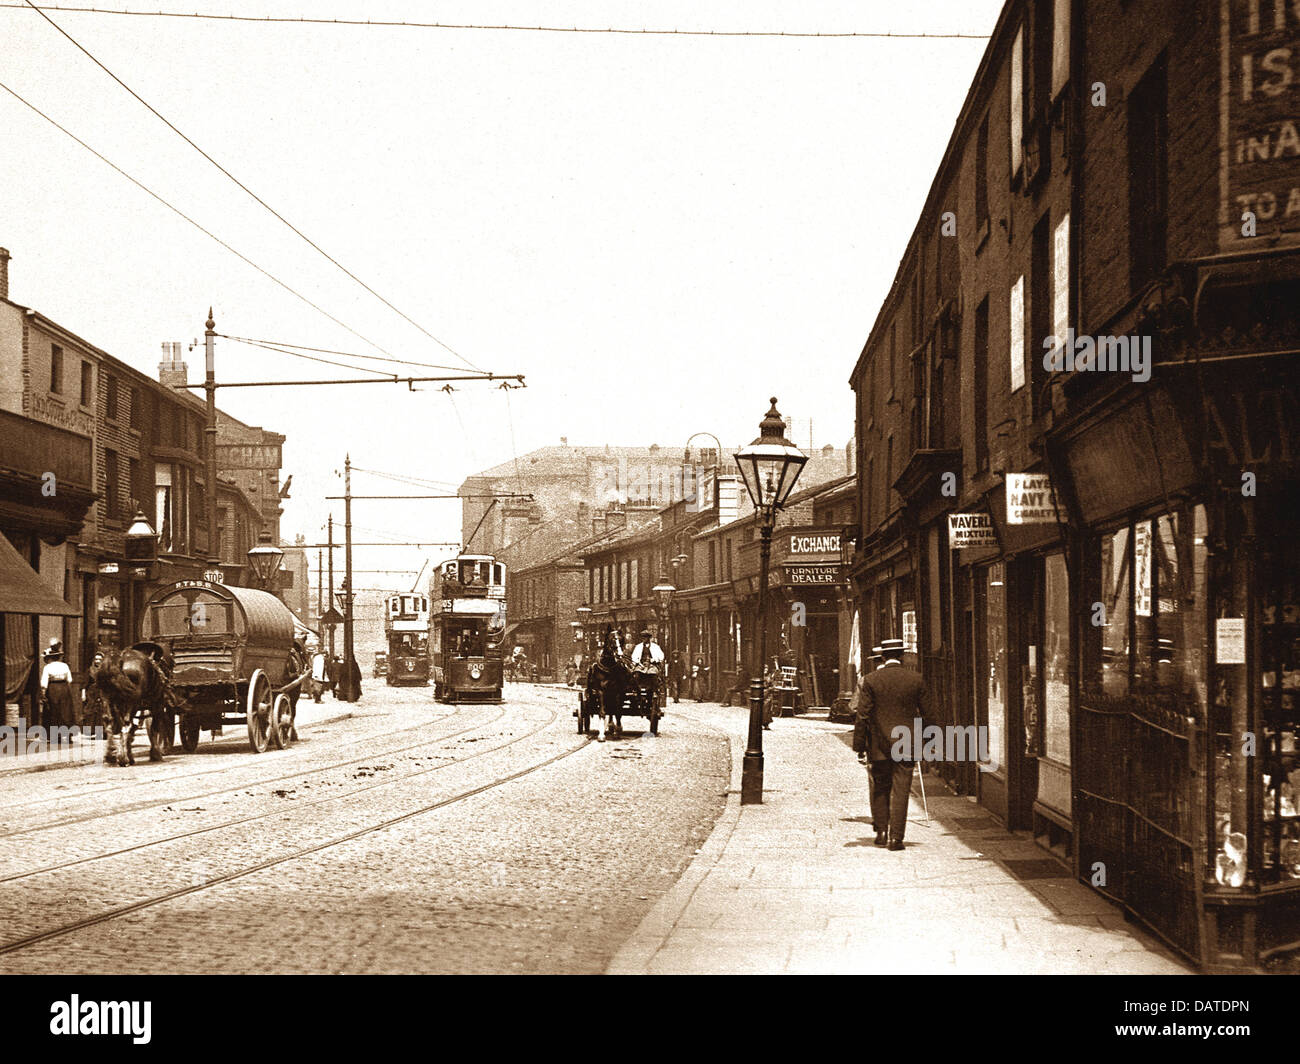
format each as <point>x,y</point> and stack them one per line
<point>263,781</point>
<point>234,743</point>
<point>159,899</point>
<point>280,811</point>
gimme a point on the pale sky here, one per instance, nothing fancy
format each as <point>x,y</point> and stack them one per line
<point>659,232</point>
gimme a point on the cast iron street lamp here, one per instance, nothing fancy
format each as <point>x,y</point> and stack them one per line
<point>663,593</point>
<point>264,560</point>
<point>140,549</point>
<point>584,617</point>
<point>769,466</point>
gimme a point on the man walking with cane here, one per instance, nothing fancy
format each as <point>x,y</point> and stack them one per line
<point>890,698</point>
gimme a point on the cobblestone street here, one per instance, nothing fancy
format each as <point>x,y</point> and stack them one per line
<point>410,837</point>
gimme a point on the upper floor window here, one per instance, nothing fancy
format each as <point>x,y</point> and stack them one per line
<point>137,420</point>
<point>1016,332</point>
<point>982,175</point>
<point>1017,103</point>
<point>110,402</point>
<point>981,376</point>
<point>87,383</point>
<point>1148,153</point>
<point>1060,47</point>
<point>56,369</point>
<point>893,330</point>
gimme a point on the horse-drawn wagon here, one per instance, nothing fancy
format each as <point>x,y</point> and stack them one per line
<point>234,659</point>
<point>614,687</point>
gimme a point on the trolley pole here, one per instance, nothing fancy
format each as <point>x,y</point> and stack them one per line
<point>210,430</point>
<point>349,658</point>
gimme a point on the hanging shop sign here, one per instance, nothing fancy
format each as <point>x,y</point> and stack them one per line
<point>1030,499</point>
<point>909,631</point>
<point>971,530</point>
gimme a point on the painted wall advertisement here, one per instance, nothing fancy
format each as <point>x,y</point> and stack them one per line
<point>1259,122</point>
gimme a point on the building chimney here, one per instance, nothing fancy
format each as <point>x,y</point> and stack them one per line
<point>4,273</point>
<point>615,519</point>
<point>172,369</point>
<point>598,526</point>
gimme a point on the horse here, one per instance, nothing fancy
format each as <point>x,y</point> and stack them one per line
<point>130,683</point>
<point>608,681</point>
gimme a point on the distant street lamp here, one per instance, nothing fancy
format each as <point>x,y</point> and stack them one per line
<point>769,466</point>
<point>663,593</point>
<point>264,560</point>
<point>584,617</point>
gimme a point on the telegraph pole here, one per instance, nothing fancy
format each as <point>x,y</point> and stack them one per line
<point>349,662</point>
<point>331,598</point>
<point>210,430</point>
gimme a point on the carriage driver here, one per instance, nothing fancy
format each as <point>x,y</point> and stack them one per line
<point>647,652</point>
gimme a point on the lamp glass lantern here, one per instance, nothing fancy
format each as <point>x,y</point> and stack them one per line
<point>663,592</point>
<point>264,559</point>
<point>770,465</point>
<point>141,539</point>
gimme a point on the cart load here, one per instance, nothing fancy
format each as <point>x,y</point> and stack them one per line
<point>235,659</point>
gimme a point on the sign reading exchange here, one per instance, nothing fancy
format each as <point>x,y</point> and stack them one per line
<point>1030,500</point>
<point>814,543</point>
<point>971,530</point>
<point>1259,122</point>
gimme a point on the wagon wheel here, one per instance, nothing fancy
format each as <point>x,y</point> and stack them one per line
<point>654,715</point>
<point>281,726</point>
<point>584,715</point>
<point>189,732</point>
<point>258,710</point>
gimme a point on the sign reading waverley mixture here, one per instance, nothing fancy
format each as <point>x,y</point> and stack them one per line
<point>1030,500</point>
<point>1259,123</point>
<point>971,530</point>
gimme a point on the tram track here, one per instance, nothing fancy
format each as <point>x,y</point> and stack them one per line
<point>136,807</point>
<point>279,811</point>
<point>231,745</point>
<point>27,941</point>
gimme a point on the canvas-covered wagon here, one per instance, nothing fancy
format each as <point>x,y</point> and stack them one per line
<point>235,658</point>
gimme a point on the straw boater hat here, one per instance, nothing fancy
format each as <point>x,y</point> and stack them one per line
<point>892,646</point>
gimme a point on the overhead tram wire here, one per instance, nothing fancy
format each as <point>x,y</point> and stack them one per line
<point>314,358</point>
<point>298,232</point>
<point>332,351</point>
<point>181,214</point>
<point>393,24</point>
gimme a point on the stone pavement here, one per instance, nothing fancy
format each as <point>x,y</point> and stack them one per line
<point>795,885</point>
<point>87,751</point>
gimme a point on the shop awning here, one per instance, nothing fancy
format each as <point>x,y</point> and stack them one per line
<point>23,591</point>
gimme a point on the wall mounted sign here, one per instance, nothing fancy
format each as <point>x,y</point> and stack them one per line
<point>813,574</point>
<point>1030,499</point>
<point>971,530</point>
<point>1230,640</point>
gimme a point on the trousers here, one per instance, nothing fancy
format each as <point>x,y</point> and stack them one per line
<point>891,786</point>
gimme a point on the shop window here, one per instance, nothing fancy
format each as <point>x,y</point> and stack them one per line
<point>995,657</point>
<point>1056,659</point>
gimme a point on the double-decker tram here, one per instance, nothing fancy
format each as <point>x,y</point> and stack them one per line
<point>406,633</point>
<point>468,595</point>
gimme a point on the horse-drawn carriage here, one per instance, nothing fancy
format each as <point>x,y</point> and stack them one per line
<point>233,658</point>
<point>614,687</point>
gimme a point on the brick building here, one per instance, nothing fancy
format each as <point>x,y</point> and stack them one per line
<point>1095,554</point>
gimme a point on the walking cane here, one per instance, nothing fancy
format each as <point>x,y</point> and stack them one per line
<point>926,805</point>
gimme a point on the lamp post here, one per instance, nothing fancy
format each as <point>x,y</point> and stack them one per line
<point>769,467</point>
<point>140,546</point>
<point>264,561</point>
<point>663,593</point>
<point>584,619</point>
<point>345,599</point>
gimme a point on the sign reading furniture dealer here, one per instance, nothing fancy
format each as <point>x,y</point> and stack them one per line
<point>1259,122</point>
<point>1030,499</point>
<point>813,574</point>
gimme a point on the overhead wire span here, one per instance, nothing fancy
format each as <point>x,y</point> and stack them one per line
<point>181,214</point>
<point>345,354</point>
<point>298,232</point>
<point>395,24</point>
<point>314,358</point>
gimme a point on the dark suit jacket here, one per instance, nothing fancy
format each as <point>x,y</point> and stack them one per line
<point>891,697</point>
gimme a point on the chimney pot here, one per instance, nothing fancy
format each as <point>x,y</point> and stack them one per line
<point>4,273</point>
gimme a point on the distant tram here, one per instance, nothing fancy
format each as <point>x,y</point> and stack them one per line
<point>468,595</point>
<point>406,631</point>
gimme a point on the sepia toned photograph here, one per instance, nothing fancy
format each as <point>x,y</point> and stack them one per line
<point>657,488</point>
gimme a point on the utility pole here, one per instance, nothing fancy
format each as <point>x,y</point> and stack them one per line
<point>210,387</point>
<point>349,661</point>
<point>331,598</point>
